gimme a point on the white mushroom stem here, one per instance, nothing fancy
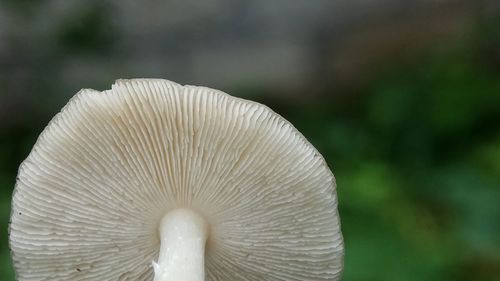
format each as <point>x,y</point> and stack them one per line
<point>183,235</point>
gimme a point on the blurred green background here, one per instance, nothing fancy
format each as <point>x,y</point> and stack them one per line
<point>401,97</point>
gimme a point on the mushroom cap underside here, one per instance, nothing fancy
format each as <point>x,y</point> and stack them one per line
<point>90,196</point>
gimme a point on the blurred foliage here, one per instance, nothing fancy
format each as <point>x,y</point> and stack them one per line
<point>89,30</point>
<point>415,150</point>
<point>416,154</point>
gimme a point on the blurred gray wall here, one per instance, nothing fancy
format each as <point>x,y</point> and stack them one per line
<point>294,48</point>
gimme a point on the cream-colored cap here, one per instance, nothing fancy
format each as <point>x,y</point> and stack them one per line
<point>90,196</point>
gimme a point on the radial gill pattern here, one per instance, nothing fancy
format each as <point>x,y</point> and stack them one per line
<point>111,164</point>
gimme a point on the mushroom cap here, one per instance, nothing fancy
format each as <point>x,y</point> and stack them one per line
<point>91,194</point>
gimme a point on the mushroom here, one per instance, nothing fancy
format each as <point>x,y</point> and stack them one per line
<point>155,180</point>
